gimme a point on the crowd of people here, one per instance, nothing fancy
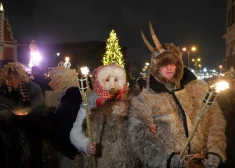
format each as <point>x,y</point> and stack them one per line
<point>144,130</point>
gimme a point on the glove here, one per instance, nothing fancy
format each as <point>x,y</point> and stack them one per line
<point>212,161</point>
<point>176,162</point>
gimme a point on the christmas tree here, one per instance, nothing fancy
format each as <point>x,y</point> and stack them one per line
<point>113,51</point>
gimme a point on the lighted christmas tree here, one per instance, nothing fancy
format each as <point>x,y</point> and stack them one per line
<point>113,52</point>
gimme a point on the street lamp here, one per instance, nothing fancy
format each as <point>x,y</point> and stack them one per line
<point>55,59</point>
<point>220,67</point>
<point>200,66</point>
<point>196,62</point>
<point>191,49</point>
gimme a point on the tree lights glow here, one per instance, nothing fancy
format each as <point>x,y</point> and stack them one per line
<point>113,51</point>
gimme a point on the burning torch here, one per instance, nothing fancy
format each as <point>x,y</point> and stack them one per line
<point>209,98</point>
<point>84,91</point>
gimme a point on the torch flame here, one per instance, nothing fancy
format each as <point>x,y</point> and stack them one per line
<point>219,86</point>
<point>84,70</point>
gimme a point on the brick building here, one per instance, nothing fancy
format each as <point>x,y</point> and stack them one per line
<point>230,34</point>
<point>8,45</point>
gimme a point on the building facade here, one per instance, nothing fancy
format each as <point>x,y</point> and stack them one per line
<point>8,45</point>
<point>230,35</point>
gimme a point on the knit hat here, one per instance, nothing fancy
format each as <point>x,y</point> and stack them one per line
<point>102,74</point>
<point>162,55</point>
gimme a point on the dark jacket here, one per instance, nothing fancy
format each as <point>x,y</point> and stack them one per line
<point>57,126</point>
<point>226,101</point>
<point>20,135</point>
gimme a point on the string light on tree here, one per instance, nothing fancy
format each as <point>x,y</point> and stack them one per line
<point>113,52</point>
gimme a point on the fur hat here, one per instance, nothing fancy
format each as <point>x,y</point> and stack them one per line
<point>162,55</point>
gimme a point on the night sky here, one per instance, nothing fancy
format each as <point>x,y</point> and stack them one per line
<point>184,22</point>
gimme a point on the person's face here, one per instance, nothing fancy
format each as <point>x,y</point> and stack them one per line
<point>168,71</point>
<point>13,80</point>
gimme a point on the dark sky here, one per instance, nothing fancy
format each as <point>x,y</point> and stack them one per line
<point>184,22</point>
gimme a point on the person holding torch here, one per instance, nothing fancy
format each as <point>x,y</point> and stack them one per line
<point>163,116</point>
<point>108,79</point>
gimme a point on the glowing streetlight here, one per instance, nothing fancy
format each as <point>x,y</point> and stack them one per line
<point>147,63</point>
<point>196,62</point>
<point>191,49</point>
<point>220,67</point>
<point>200,66</point>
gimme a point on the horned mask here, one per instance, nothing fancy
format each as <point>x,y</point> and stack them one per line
<point>164,54</point>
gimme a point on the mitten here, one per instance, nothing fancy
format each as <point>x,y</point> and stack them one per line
<point>211,161</point>
<point>176,162</point>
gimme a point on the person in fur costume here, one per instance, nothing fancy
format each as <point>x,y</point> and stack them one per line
<point>57,126</point>
<point>226,101</point>
<point>164,113</point>
<point>108,122</point>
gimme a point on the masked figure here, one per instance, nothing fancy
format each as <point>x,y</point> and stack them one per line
<point>164,113</point>
<point>108,122</point>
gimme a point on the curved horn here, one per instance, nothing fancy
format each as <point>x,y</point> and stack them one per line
<point>154,37</point>
<point>147,43</point>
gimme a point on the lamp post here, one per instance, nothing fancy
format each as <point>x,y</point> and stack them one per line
<point>220,67</point>
<point>196,62</point>
<point>200,66</point>
<point>145,67</point>
<point>191,49</point>
<point>56,54</point>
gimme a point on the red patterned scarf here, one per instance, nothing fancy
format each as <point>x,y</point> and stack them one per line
<point>103,94</point>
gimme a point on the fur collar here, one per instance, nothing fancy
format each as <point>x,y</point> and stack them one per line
<point>157,86</point>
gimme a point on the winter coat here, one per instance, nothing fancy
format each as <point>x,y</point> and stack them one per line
<point>109,130</point>
<point>20,135</point>
<point>174,114</point>
<point>57,126</point>
<point>226,101</point>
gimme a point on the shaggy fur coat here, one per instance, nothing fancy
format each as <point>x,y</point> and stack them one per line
<point>163,110</point>
<point>109,130</point>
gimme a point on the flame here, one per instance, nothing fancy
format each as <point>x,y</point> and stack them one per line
<point>84,70</point>
<point>219,86</point>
